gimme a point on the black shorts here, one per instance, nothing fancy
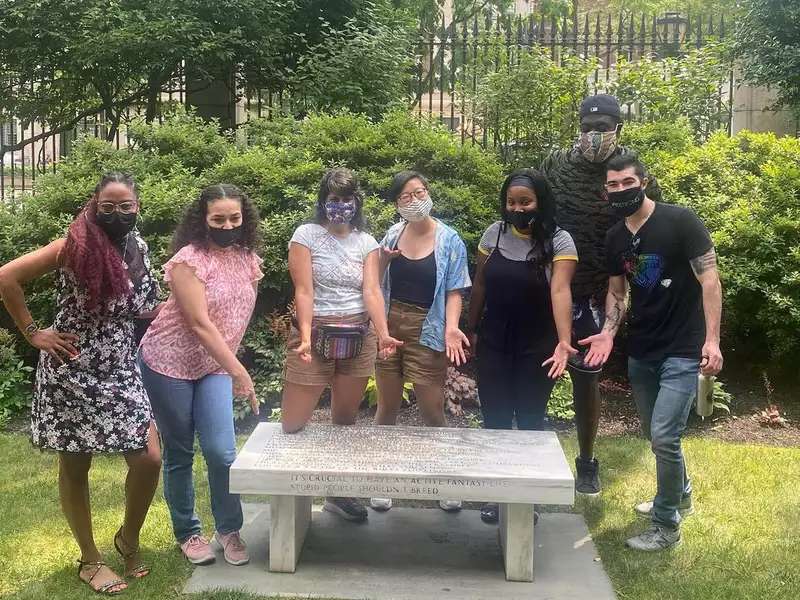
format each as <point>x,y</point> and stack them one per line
<point>587,319</point>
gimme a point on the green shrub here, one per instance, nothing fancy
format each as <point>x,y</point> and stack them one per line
<point>15,392</point>
<point>279,167</point>
<point>560,405</point>
<point>183,138</point>
<point>747,191</point>
<point>665,90</point>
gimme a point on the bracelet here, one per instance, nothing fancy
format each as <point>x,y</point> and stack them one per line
<point>30,329</point>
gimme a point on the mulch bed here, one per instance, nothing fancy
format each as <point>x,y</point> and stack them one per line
<point>618,416</point>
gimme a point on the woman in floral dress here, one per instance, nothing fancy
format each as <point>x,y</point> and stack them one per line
<point>89,398</point>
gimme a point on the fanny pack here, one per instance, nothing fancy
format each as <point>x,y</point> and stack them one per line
<point>333,341</point>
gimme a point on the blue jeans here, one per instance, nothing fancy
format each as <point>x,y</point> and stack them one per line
<point>664,391</point>
<point>181,408</point>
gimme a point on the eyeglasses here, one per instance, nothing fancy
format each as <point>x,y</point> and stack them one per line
<point>418,193</point>
<point>126,208</point>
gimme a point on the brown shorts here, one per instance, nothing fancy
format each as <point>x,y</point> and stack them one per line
<point>320,371</point>
<point>412,361</point>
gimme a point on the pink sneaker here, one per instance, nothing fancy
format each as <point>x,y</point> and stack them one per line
<point>198,551</point>
<point>233,548</point>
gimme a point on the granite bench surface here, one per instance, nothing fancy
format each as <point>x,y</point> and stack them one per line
<point>405,462</point>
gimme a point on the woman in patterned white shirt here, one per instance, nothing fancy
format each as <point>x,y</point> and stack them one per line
<point>335,271</point>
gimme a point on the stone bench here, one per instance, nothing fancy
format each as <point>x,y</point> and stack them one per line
<point>516,469</point>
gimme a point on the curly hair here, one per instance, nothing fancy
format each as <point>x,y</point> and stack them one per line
<point>544,226</point>
<point>342,182</point>
<point>90,254</point>
<point>193,228</point>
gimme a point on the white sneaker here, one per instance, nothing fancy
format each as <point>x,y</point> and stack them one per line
<point>450,505</point>
<point>380,504</point>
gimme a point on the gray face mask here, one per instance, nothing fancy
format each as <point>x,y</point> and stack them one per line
<point>417,210</point>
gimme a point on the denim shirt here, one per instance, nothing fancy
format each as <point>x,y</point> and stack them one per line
<point>452,273</point>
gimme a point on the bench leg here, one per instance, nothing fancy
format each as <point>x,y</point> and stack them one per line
<point>290,517</point>
<point>516,540</point>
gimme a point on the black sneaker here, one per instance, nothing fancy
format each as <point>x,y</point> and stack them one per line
<point>587,478</point>
<point>490,513</point>
<point>350,509</point>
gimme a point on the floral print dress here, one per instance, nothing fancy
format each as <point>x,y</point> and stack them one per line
<point>97,403</point>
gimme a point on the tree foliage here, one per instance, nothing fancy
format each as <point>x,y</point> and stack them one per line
<point>768,42</point>
<point>63,60</point>
<point>685,7</point>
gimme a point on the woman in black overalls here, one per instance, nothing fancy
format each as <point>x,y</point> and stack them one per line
<point>521,307</point>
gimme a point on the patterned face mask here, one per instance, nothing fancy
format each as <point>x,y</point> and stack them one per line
<point>417,210</point>
<point>597,146</point>
<point>340,213</point>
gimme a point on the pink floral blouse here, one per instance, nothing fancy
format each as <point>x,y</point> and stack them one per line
<point>169,347</point>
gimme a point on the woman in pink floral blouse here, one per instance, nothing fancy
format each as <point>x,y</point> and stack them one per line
<point>189,365</point>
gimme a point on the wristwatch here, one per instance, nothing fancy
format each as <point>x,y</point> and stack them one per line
<point>30,329</point>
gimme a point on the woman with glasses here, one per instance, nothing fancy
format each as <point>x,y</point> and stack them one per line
<point>89,397</point>
<point>424,272</point>
<point>520,311</point>
<point>340,324</point>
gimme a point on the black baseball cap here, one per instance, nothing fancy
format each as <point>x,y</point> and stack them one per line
<point>600,104</point>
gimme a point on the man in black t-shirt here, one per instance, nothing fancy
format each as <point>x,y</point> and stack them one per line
<point>665,254</point>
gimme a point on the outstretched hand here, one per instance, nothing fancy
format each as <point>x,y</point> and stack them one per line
<point>456,344</point>
<point>388,255</point>
<point>387,346</point>
<point>243,388</point>
<point>558,362</point>
<point>600,346</point>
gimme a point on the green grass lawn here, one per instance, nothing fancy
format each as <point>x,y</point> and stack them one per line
<point>743,542</point>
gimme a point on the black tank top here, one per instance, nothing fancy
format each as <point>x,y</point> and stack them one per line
<point>519,312</point>
<point>414,281</point>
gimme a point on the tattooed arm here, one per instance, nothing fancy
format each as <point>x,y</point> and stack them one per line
<point>705,269</point>
<point>616,304</point>
<point>600,345</point>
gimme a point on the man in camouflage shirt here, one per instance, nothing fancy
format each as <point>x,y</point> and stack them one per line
<point>578,176</point>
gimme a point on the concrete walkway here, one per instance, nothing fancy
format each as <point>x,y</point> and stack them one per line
<point>414,554</point>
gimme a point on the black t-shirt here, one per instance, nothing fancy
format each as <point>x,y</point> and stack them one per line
<point>666,313</point>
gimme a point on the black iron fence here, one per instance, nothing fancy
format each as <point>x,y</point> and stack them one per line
<point>452,64</point>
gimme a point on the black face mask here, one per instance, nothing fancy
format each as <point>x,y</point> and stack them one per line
<point>116,225</point>
<point>522,219</point>
<point>225,237</point>
<point>626,202</point>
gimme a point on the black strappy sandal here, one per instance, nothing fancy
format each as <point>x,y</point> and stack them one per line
<point>139,571</point>
<point>106,587</point>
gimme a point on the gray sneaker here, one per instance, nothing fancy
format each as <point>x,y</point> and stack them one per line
<point>380,504</point>
<point>654,539</point>
<point>645,509</point>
